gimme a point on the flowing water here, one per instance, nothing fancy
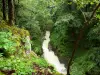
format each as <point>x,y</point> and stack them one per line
<point>28,45</point>
<point>50,57</point>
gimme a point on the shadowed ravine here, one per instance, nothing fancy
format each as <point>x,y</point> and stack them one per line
<point>50,57</point>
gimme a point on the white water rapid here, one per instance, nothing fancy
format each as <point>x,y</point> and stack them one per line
<point>50,57</point>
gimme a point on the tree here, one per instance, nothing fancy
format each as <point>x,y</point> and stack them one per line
<point>4,9</point>
<point>80,36</point>
<point>11,12</point>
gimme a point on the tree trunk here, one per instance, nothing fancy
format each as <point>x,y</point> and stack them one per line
<point>11,12</point>
<point>76,43</point>
<point>4,9</point>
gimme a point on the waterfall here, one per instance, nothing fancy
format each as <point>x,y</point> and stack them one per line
<point>27,45</point>
<point>50,57</point>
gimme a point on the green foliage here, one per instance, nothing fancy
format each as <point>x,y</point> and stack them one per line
<point>82,65</point>
<point>35,16</point>
<point>83,3</point>
<point>88,63</point>
<point>13,56</point>
<point>41,62</point>
<point>98,14</point>
<point>0,16</point>
<point>68,20</point>
<point>93,35</point>
<point>25,65</point>
<point>65,21</point>
<point>15,63</point>
<point>0,11</point>
<point>94,32</point>
<point>60,30</point>
<point>12,42</point>
<point>95,56</point>
<point>7,45</point>
<point>13,29</point>
<point>65,32</point>
<point>68,24</point>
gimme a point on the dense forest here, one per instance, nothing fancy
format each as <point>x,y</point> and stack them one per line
<point>49,37</point>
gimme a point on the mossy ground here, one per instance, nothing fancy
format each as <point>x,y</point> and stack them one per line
<point>18,62</point>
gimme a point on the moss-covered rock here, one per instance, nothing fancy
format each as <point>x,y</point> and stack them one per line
<point>1,73</point>
<point>14,37</point>
<point>15,30</point>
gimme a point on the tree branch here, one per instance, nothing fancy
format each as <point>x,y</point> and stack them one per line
<point>96,8</point>
<point>76,43</point>
<point>83,15</point>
